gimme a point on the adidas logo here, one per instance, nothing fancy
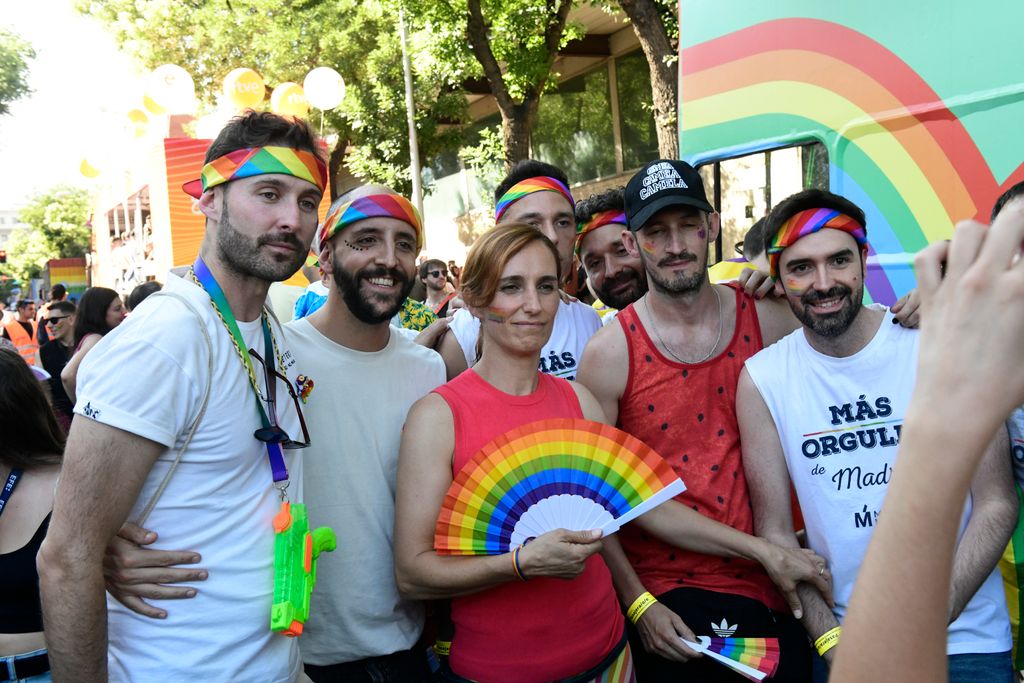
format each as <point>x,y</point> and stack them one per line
<point>723,630</point>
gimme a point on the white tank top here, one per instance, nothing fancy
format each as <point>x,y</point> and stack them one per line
<point>839,422</point>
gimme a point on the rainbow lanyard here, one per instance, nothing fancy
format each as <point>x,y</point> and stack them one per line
<point>204,278</point>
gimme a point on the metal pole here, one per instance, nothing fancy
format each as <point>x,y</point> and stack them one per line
<point>410,112</point>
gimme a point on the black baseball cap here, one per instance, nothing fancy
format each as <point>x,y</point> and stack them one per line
<point>660,184</point>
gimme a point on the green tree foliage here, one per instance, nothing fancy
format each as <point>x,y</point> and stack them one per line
<point>512,44</point>
<point>15,54</point>
<point>283,40</point>
<point>27,254</point>
<point>60,216</point>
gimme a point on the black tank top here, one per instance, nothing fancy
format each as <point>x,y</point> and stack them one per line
<point>20,610</point>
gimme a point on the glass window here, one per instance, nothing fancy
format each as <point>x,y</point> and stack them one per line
<point>744,189</point>
<point>573,129</point>
<point>639,138</point>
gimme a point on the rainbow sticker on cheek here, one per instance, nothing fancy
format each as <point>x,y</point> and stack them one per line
<point>647,247</point>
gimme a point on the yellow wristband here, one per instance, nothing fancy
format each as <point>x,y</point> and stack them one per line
<point>827,640</point>
<point>639,606</point>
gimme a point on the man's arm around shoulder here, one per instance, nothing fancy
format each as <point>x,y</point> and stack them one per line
<point>104,470</point>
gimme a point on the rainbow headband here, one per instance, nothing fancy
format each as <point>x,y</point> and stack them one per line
<point>253,161</point>
<point>529,186</point>
<point>372,206</point>
<point>599,220</point>
<point>808,222</point>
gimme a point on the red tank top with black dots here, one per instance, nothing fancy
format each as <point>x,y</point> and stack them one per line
<point>687,413</point>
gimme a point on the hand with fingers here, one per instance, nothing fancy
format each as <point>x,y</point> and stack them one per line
<point>758,283</point>
<point>789,567</point>
<point>907,309</point>
<point>559,554</point>
<point>135,573</point>
<point>662,631</point>
<point>972,290</point>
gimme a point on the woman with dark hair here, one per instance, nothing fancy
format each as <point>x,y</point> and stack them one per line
<point>99,311</point>
<point>567,616</point>
<point>30,456</point>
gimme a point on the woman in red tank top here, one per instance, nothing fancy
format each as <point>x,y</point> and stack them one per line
<point>561,620</point>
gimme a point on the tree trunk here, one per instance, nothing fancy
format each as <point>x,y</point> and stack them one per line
<point>650,30</point>
<point>516,117</point>
<point>516,126</point>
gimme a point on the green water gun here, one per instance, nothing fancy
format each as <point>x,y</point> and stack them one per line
<point>296,550</point>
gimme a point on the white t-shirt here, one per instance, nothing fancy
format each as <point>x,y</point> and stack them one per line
<point>575,324</point>
<point>355,414</point>
<point>147,377</point>
<point>839,422</point>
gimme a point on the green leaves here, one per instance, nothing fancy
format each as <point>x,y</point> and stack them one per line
<point>15,54</point>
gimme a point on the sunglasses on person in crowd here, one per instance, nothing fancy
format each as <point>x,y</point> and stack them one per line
<point>56,319</point>
<point>436,273</point>
<point>274,433</point>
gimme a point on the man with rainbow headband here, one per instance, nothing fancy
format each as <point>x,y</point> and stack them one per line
<point>538,194</point>
<point>176,429</point>
<point>368,375</point>
<point>613,274</point>
<point>823,408</point>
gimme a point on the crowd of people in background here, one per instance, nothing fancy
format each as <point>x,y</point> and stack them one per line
<point>176,425</point>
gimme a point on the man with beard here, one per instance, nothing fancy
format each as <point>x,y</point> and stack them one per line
<point>368,376</point>
<point>613,273</point>
<point>824,406</point>
<point>178,419</point>
<point>537,194</point>
<point>666,373</point>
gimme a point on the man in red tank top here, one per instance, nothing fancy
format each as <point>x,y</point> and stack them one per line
<point>667,373</point>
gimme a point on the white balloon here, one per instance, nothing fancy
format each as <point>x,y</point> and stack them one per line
<point>172,88</point>
<point>325,88</point>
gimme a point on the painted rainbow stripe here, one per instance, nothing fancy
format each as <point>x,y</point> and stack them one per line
<point>895,147</point>
<point>611,476</point>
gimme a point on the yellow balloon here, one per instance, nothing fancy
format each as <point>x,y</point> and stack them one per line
<point>288,99</point>
<point>244,88</point>
<point>88,170</point>
<point>151,106</point>
<point>139,122</point>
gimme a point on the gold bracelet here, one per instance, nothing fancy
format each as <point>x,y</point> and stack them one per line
<point>639,606</point>
<point>827,640</point>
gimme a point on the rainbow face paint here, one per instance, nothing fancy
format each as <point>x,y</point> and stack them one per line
<point>648,247</point>
<point>496,315</point>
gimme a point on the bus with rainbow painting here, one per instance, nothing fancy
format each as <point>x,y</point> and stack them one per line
<point>913,110</point>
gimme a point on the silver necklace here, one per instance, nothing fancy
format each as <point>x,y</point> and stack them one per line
<point>721,320</point>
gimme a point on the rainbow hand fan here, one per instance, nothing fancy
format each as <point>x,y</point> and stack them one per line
<point>752,658</point>
<point>552,474</point>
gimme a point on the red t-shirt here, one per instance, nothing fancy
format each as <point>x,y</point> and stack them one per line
<point>545,629</point>
<point>687,413</point>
